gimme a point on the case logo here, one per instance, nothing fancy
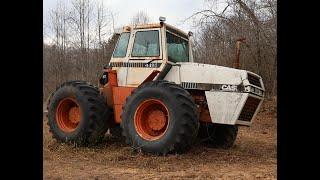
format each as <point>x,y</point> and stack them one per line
<point>228,87</point>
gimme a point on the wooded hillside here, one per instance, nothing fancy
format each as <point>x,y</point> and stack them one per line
<point>81,46</point>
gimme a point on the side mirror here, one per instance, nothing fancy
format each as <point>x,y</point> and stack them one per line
<point>190,33</point>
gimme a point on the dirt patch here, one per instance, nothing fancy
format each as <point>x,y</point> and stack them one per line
<point>254,156</point>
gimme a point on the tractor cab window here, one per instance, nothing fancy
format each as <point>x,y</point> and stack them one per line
<point>146,44</point>
<point>122,45</point>
<point>178,48</point>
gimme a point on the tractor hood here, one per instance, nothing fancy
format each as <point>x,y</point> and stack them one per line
<point>234,96</point>
<point>211,74</point>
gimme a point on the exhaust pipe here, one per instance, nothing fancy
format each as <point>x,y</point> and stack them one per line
<point>237,60</point>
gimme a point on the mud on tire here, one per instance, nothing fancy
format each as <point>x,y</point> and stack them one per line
<point>91,124</point>
<point>218,135</point>
<point>181,118</point>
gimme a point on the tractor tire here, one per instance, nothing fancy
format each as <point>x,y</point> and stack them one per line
<point>160,117</point>
<point>116,131</point>
<point>77,113</point>
<point>218,135</point>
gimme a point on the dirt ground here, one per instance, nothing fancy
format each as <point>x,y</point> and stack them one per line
<point>254,156</point>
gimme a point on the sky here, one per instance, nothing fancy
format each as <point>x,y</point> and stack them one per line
<point>175,11</point>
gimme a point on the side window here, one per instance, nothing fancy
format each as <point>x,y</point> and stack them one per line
<point>146,43</point>
<point>178,48</point>
<point>122,45</point>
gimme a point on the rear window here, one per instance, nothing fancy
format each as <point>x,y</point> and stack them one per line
<point>146,44</point>
<point>122,45</point>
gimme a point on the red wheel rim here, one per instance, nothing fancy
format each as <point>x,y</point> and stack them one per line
<point>68,114</point>
<point>151,119</point>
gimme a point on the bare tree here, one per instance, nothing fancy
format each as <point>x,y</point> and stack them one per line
<point>76,29</point>
<point>220,28</point>
<point>78,20</point>
<point>140,18</point>
<point>105,22</point>
<point>59,25</point>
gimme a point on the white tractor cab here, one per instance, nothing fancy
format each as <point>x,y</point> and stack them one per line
<point>156,97</point>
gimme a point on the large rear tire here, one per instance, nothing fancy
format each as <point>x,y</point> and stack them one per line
<point>77,113</point>
<point>218,135</point>
<point>160,117</point>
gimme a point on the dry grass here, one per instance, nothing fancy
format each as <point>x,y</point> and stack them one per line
<point>254,156</point>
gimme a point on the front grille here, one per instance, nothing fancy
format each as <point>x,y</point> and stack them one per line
<point>249,109</point>
<point>254,80</point>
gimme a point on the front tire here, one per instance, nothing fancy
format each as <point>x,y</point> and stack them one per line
<point>77,113</point>
<point>160,117</point>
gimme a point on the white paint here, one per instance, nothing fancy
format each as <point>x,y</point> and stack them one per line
<point>136,76</point>
<point>173,75</point>
<point>212,74</point>
<point>225,107</point>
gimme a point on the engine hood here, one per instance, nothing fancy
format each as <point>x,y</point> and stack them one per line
<point>212,74</point>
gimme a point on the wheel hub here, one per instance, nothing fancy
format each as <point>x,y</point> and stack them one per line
<point>151,119</point>
<point>68,114</point>
<point>74,114</point>
<point>156,120</point>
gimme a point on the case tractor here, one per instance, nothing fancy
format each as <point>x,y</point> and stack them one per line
<point>155,97</point>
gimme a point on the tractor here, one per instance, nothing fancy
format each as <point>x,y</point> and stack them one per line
<point>154,96</point>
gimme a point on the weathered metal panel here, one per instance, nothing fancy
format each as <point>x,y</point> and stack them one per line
<point>121,75</point>
<point>212,74</point>
<point>137,75</point>
<point>225,107</point>
<point>174,29</point>
<point>173,75</point>
<point>146,26</point>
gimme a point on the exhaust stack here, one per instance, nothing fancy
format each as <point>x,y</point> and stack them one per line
<point>237,60</point>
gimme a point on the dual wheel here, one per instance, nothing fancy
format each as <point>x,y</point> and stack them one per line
<point>159,117</point>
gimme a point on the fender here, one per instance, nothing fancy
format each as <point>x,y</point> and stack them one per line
<point>116,95</point>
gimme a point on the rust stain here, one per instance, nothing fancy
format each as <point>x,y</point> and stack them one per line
<point>146,26</point>
<point>205,115</point>
<point>237,60</point>
<point>200,100</point>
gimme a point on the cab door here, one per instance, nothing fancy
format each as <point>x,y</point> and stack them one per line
<point>120,57</point>
<point>145,55</point>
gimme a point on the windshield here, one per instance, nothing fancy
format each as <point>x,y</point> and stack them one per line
<point>178,48</point>
<point>121,49</point>
<point>146,44</point>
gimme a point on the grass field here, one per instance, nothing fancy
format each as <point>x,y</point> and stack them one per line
<point>254,156</point>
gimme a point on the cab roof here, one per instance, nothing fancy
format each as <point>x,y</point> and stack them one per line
<point>155,25</point>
